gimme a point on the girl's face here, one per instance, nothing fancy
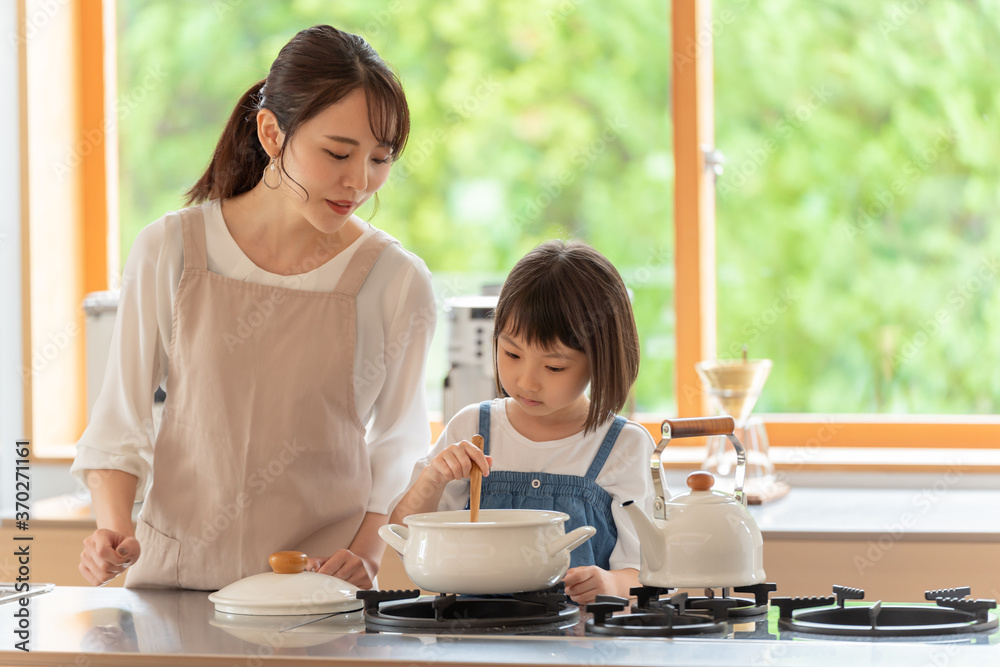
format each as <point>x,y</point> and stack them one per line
<point>544,382</point>
<point>338,161</point>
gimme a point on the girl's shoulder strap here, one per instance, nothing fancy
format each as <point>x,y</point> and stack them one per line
<point>484,425</point>
<point>606,446</point>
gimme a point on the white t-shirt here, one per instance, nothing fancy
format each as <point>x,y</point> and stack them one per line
<point>625,475</point>
<point>396,316</point>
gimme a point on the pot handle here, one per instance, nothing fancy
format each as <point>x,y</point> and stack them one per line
<point>395,536</point>
<point>571,540</point>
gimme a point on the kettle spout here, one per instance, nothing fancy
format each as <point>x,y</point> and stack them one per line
<point>652,544</point>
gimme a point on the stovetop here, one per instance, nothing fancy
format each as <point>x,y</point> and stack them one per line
<point>115,626</point>
<point>748,612</point>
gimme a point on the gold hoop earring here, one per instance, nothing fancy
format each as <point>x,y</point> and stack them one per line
<point>272,168</point>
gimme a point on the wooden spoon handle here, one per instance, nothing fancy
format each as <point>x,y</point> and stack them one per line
<point>475,483</point>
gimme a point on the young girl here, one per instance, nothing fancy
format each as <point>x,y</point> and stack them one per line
<point>266,307</point>
<point>563,321</point>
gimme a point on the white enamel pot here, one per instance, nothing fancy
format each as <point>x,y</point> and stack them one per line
<point>506,551</point>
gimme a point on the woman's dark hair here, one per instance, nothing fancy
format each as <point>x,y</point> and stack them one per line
<point>318,67</point>
<point>570,293</point>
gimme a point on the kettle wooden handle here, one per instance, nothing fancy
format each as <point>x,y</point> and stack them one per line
<point>693,427</point>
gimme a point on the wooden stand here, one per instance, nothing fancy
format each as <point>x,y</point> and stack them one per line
<point>760,491</point>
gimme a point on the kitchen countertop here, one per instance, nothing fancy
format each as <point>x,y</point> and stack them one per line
<point>938,507</point>
<point>916,514</point>
<point>112,626</point>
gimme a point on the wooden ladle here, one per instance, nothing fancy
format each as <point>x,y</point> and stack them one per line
<point>475,483</point>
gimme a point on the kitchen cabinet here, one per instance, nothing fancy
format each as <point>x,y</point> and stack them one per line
<point>800,566</point>
<point>894,543</point>
<point>902,572</point>
<point>888,542</point>
<point>55,551</point>
<point>56,545</point>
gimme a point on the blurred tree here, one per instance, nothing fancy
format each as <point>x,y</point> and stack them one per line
<point>854,238</point>
<point>531,120</point>
<point>853,222</point>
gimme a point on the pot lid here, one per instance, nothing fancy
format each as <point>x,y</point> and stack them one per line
<point>701,492</point>
<point>287,590</point>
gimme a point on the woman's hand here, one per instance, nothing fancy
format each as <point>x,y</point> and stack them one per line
<point>584,584</point>
<point>456,462</point>
<point>343,564</point>
<point>106,554</point>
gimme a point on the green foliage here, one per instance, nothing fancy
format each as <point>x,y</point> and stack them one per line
<point>855,244</point>
<point>530,120</point>
<point>854,220</point>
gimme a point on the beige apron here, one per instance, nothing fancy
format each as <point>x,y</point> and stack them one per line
<point>260,448</point>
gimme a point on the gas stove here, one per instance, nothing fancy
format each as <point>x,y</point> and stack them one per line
<point>743,612</point>
<point>116,626</point>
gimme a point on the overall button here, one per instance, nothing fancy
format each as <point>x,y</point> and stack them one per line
<point>535,483</point>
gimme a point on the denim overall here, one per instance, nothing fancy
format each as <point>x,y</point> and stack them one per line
<point>581,497</point>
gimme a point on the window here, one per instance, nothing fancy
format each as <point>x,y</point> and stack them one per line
<point>554,120</point>
<point>854,220</point>
<point>530,121</point>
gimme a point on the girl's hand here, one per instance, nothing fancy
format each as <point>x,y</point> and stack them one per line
<point>456,462</point>
<point>106,554</point>
<point>584,584</point>
<point>343,564</point>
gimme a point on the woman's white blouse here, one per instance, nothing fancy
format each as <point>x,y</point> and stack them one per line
<point>396,316</point>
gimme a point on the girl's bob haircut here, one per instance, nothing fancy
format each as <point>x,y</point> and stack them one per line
<point>570,293</point>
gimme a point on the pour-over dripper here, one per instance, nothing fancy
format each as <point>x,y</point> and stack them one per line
<point>734,386</point>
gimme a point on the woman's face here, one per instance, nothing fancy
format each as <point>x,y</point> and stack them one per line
<point>338,161</point>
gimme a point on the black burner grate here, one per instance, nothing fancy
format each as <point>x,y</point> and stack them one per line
<point>406,611</point>
<point>648,599</point>
<point>679,614</point>
<point>953,615</point>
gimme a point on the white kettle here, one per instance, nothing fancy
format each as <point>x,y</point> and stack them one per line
<point>700,538</point>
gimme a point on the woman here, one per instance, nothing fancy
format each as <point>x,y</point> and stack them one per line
<point>282,324</point>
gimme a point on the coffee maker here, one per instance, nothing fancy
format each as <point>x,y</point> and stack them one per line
<point>470,353</point>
